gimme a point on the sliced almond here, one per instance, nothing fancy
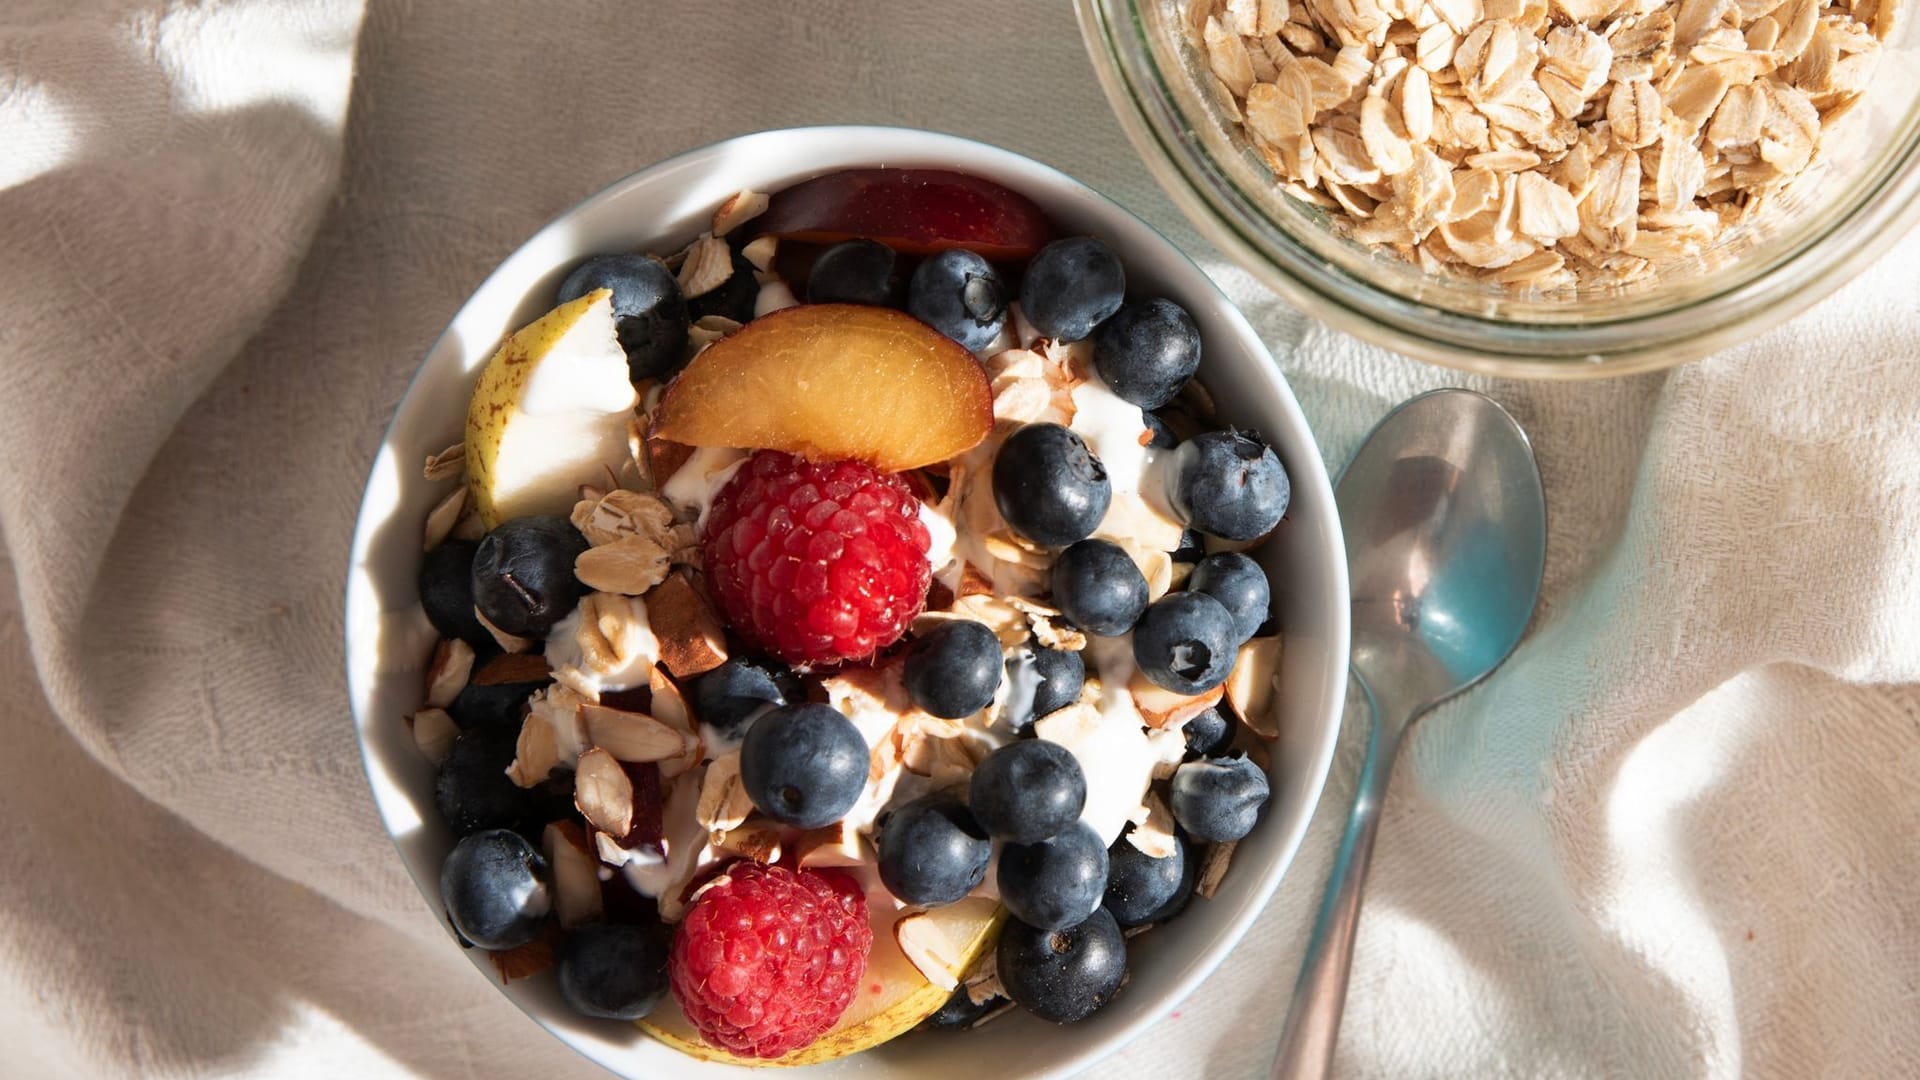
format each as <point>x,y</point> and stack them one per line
<point>447,674</point>
<point>604,793</point>
<point>632,736</point>
<point>1251,687</point>
<point>692,640</point>
<point>1160,707</point>
<point>433,732</point>
<point>724,805</point>
<point>1213,869</point>
<point>708,265</point>
<point>507,642</point>
<point>740,208</point>
<point>443,517</point>
<point>576,878</point>
<point>1152,830</point>
<point>758,839</point>
<point>536,753</point>
<point>619,514</point>
<point>939,943</point>
<point>628,566</point>
<point>512,668</point>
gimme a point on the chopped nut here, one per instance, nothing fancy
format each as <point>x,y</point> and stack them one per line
<point>576,881</point>
<point>1214,868</point>
<point>444,516</point>
<point>760,251</point>
<point>757,839</point>
<point>603,793</point>
<point>1252,686</point>
<point>692,639</point>
<point>724,805</point>
<point>536,754</point>
<point>433,732</point>
<point>830,845</point>
<point>635,737</point>
<point>507,642</point>
<point>1160,707</point>
<point>740,208</point>
<point>620,514</point>
<point>708,329</point>
<point>708,265</point>
<point>1152,831</point>
<point>629,566</point>
<point>509,668</point>
<point>447,674</point>
<point>525,961</point>
<point>448,464</point>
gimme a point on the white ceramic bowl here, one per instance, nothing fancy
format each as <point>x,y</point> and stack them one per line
<point>387,635</point>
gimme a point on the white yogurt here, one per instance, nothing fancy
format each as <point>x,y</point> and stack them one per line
<point>693,487</point>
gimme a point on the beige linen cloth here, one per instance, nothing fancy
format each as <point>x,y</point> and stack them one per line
<point>1677,836</point>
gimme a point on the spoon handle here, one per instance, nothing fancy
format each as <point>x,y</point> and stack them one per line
<point>1313,1021</point>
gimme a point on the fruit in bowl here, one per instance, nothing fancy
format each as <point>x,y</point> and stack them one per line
<point>828,710</point>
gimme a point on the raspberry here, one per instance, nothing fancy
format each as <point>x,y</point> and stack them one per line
<point>817,562</point>
<point>767,958</point>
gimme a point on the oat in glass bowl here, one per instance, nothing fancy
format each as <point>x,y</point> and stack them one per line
<point>1552,188</point>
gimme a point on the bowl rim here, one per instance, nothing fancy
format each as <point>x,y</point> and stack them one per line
<point>959,150</point>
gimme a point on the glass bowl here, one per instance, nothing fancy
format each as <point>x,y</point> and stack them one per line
<point>1857,199</point>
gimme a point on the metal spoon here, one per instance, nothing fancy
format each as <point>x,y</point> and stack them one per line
<point>1446,527</point>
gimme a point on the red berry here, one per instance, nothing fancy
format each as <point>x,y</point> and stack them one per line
<point>817,562</point>
<point>767,958</point>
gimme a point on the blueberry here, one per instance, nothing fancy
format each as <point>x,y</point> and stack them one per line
<point>1147,351</point>
<point>733,298</point>
<point>1039,681</point>
<point>953,669</point>
<point>472,790</point>
<point>1055,883</point>
<point>1062,975</point>
<point>1209,734</point>
<point>804,765</point>
<point>1027,791</point>
<point>1098,586</point>
<point>730,697</point>
<point>1239,584</point>
<point>1142,889</point>
<point>446,591</point>
<point>649,314</point>
<point>1049,486</point>
<point>1218,798</point>
<point>1185,643</point>
<point>855,272</point>
<point>958,293</point>
<point>961,1012</point>
<point>498,707</point>
<point>523,574</point>
<point>1230,484</point>
<point>1072,286</point>
<point>497,889</point>
<point>1163,436</point>
<point>612,971</point>
<point>931,850</point>
<point>1192,548</point>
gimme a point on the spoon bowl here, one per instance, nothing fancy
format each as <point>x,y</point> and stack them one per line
<point>1445,522</point>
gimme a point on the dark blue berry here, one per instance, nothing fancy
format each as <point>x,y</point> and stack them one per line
<point>612,971</point>
<point>1065,974</point>
<point>1039,681</point>
<point>1142,889</point>
<point>730,697</point>
<point>495,707</point>
<point>1027,791</point>
<point>1049,486</point>
<point>1072,286</point>
<point>1192,548</point>
<point>472,790</point>
<point>804,765</point>
<point>855,272</point>
<point>1163,437</point>
<point>931,850</point>
<point>1209,734</point>
<point>446,591</point>
<point>1185,643</point>
<point>962,1012</point>
<point>953,669</point>
<point>1230,484</point>
<point>523,574</point>
<point>1098,586</point>
<point>733,298</point>
<point>1218,798</point>
<point>1239,584</point>
<point>958,293</point>
<point>1147,351</point>
<point>1057,882</point>
<point>649,314</point>
<point>497,889</point>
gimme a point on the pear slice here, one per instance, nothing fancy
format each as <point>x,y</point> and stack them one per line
<point>550,412</point>
<point>894,996</point>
